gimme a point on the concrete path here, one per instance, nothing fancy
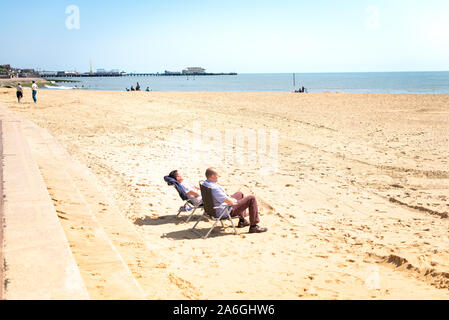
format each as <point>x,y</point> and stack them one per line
<point>1,216</point>
<point>37,260</point>
<point>144,264</point>
<point>105,272</point>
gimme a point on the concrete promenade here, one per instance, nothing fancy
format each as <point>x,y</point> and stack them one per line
<point>36,259</point>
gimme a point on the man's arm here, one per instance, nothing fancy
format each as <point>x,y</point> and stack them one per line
<point>221,197</point>
<point>193,193</point>
<point>231,201</point>
<point>190,190</point>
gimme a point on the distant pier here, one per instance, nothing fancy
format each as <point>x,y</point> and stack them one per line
<point>108,74</point>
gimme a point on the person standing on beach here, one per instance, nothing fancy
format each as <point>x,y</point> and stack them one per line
<point>19,92</point>
<point>138,87</point>
<point>34,88</point>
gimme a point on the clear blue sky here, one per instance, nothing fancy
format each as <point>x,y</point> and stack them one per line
<point>234,35</point>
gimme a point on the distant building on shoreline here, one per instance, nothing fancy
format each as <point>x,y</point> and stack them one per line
<point>194,70</point>
<point>110,73</point>
<point>67,74</point>
<point>48,73</point>
<point>191,71</point>
<point>7,72</point>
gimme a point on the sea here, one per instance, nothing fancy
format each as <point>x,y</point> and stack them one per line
<point>374,82</point>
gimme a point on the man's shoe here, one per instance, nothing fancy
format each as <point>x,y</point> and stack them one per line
<point>243,224</point>
<point>257,229</point>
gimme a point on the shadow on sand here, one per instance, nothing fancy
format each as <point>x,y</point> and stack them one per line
<point>190,235</point>
<point>171,219</point>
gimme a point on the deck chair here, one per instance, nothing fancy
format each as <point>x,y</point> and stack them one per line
<point>182,194</point>
<point>210,212</point>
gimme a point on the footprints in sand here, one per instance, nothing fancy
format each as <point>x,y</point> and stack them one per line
<point>314,215</point>
<point>188,290</point>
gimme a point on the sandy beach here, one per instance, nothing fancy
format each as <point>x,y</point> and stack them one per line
<point>356,206</point>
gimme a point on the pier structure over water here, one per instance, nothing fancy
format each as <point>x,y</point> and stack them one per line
<point>82,75</point>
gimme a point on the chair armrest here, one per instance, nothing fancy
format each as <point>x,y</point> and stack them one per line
<point>222,206</point>
<point>227,209</point>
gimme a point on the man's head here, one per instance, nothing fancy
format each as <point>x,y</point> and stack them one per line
<point>34,81</point>
<point>212,175</point>
<point>175,175</point>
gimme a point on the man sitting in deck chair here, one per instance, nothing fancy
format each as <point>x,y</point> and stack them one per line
<point>188,193</point>
<point>238,202</point>
<point>192,192</point>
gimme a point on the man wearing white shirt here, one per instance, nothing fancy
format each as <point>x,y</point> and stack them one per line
<point>238,202</point>
<point>34,88</point>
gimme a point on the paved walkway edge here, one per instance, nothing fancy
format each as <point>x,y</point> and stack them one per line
<point>38,262</point>
<point>2,284</point>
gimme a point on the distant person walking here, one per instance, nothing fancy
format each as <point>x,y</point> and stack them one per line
<point>19,92</point>
<point>34,88</point>
<point>138,87</point>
